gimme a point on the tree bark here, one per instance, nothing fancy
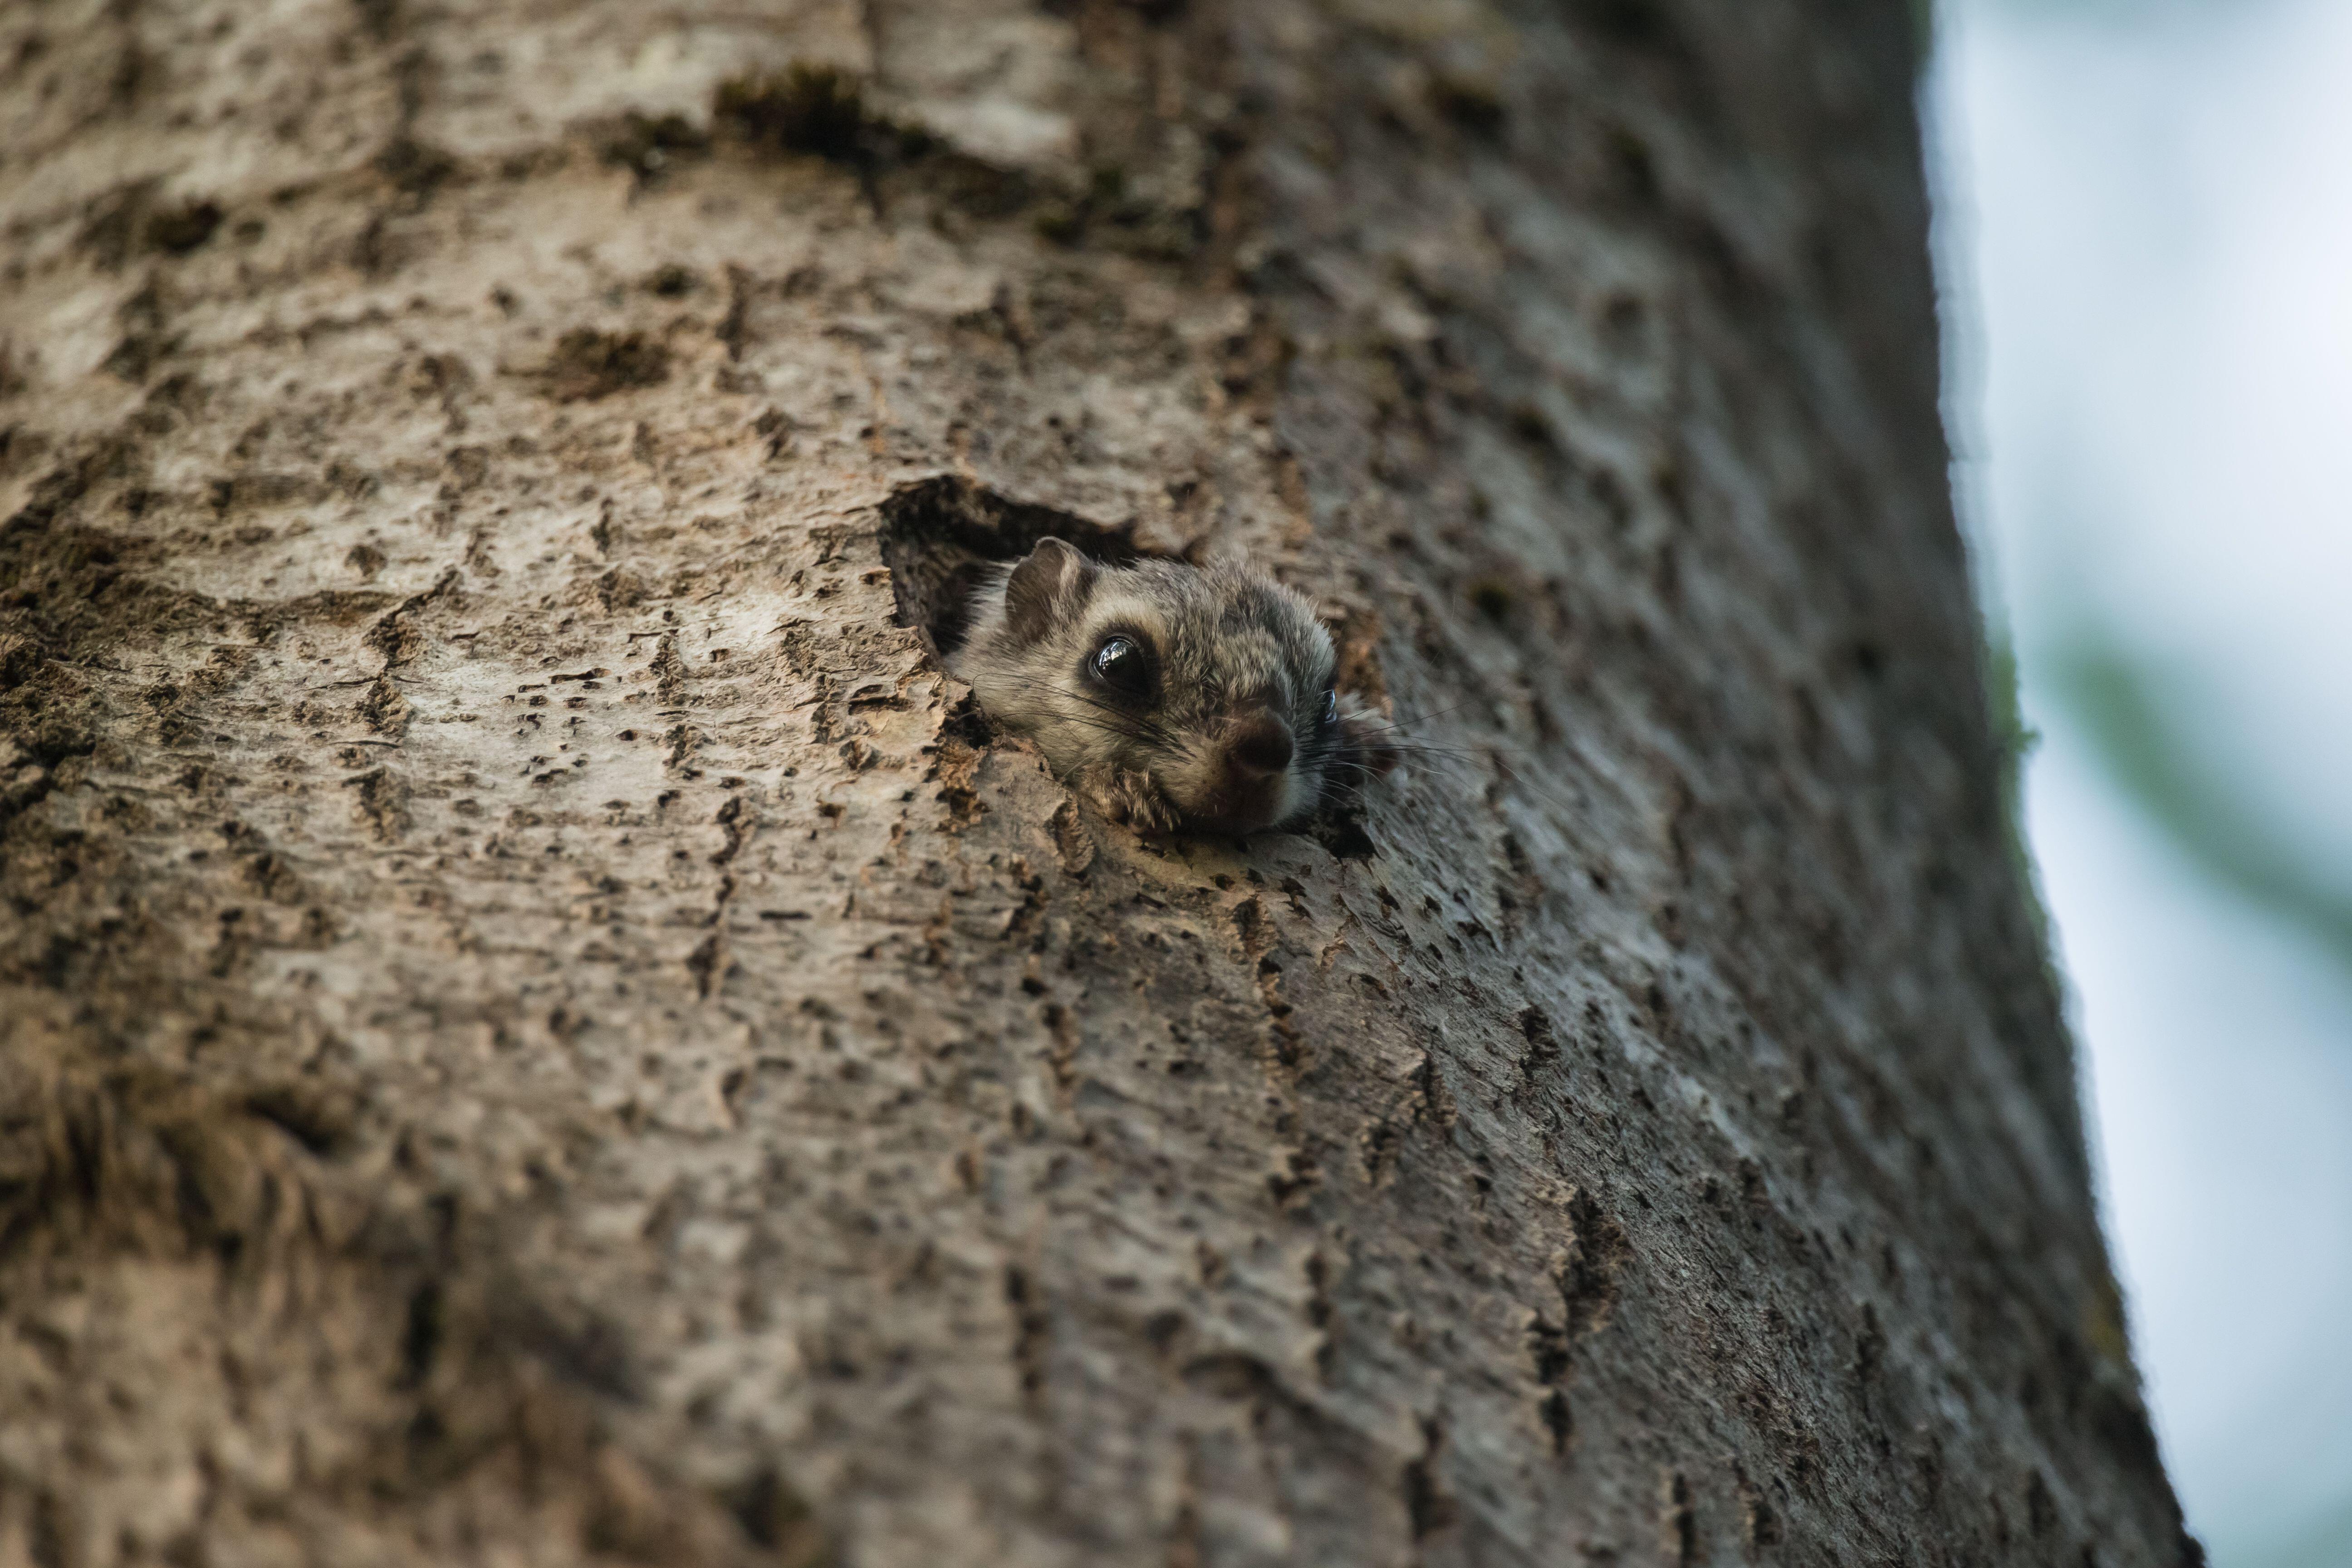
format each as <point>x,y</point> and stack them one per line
<point>540,1027</point>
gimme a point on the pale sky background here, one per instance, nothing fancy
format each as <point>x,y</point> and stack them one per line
<point>2145,226</point>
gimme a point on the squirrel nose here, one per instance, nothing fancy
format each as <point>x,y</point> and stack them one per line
<point>1259,744</point>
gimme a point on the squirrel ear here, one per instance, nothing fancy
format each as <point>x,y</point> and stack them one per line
<point>1050,585</point>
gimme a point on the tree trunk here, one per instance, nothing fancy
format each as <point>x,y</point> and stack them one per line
<point>540,1027</point>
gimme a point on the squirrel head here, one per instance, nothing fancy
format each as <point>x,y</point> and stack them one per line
<point>1215,683</point>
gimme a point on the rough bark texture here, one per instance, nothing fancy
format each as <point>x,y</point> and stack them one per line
<point>539,1029</point>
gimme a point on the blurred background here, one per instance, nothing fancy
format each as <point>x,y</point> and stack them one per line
<point>2145,229</point>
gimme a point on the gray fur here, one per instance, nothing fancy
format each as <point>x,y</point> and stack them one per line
<point>1230,645</point>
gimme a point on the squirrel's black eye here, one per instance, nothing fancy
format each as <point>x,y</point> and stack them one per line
<point>1330,713</point>
<point>1122,666</point>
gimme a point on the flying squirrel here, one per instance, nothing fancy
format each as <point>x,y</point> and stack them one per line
<point>1172,697</point>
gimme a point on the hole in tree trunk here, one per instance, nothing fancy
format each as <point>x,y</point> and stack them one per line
<point>940,535</point>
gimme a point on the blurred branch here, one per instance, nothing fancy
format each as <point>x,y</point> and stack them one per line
<point>2014,739</point>
<point>2115,700</point>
